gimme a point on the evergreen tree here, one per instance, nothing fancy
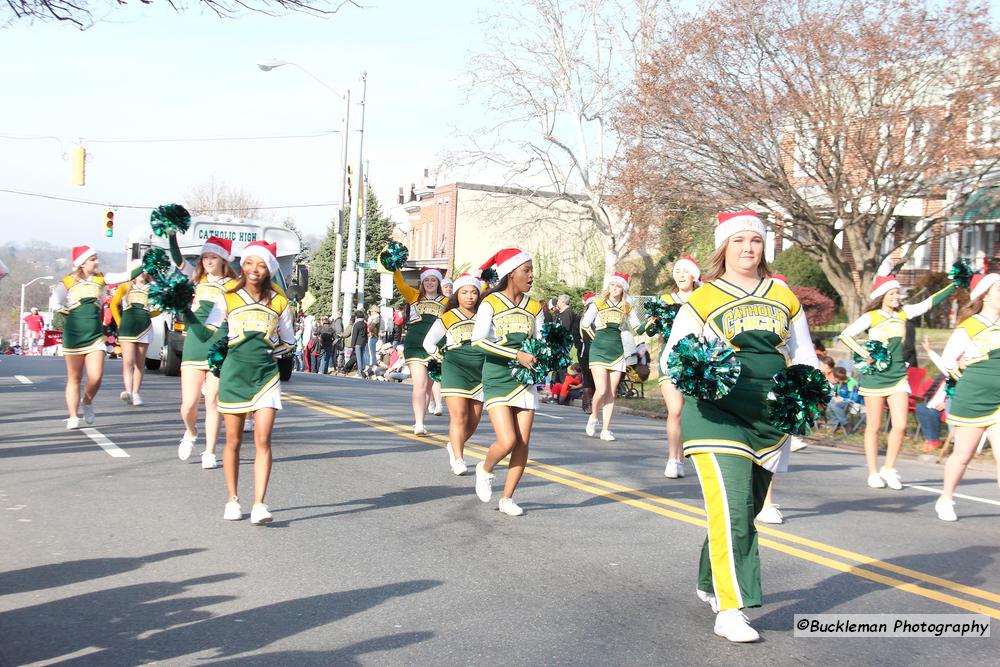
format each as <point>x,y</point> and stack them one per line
<point>321,273</point>
<point>378,233</point>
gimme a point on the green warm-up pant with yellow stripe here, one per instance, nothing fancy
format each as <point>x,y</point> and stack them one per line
<point>734,488</point>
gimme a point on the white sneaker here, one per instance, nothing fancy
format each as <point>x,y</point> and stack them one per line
<point>126,397</point>
<point>945,509</point>
<point>509,507</point>
<point>136,400</point>
<point>418,429</point>
<point>798,444</point>
<point>233,510</point>
<point>891,478</point>
<point>671,470</point>
<point>431,408</point>
<point>208,461</point>
<point>184,449</point>
<point>451,453</point>
<point>248,424</point>
<point>608,436</point>
<point>734,626</point>
<point>259,515</point>
<point>438,411</point>
<point>592,426</point>
<point>458,467</point>
<point>484,483</point>
<point>72,423</point>
<point>88,413</point>
<point>712,601</point>
<point>770,514</point>
<point>875,482</point>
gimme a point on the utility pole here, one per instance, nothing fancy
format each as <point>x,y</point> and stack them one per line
<point>338,259</point>
<point>352,231</point>
<point>363,250</point>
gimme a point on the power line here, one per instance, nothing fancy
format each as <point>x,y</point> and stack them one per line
<point>152,206</point>
<point>156,140</point>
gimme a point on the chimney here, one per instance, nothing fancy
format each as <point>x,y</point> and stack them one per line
<point>413,191</point>
<point>400,198</point>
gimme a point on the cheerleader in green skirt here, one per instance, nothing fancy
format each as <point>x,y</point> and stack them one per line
<point>461,367</point>
<point>210,274</point>
<point>426,304</point>
<point>130,308</point>
<point>604,322</point>
<point>973,356</point>
<point>885,321</point>
<point>79,296</point>
<point>259,329</point>
<point>731,442</point>
<point>686,274</point>
<point>505,318</point>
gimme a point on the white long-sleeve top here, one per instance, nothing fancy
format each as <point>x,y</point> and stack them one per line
<point>497,319</point>
<point>243,315</point>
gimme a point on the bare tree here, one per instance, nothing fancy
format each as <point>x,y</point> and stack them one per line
<point>859,126</point>
<point>553,72</point>
<point>79,12</point>
<point>218,198</point>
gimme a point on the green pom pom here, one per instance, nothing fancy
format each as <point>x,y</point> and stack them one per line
<point>156,263</point>
<point>703,369</point>
<point>434,369</point>
<point>961,273</point>
<point>799,397</point>
<point>169,218</point>
<point>881,358</point>
<point>949,387</point>
<point>394,256</point>
<point>557,337</point>
<point>490,276</point>
<point>664,314</point>
<point>543,361</point>
<point>216,355</point>
<point>172,293</point>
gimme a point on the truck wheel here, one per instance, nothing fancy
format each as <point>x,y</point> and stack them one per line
<point>172,362</point>
<point>285,366</point>
<point>152,364</point>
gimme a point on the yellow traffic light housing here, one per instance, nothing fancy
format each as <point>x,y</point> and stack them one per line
<point>109,222</point>
<point>78,165</point>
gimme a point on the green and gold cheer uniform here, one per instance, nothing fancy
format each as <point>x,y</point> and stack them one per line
<point>500,328</point>
<point>604,322</point>
<point>889,329</point>
<point>208,292</point>
<point>462,366</point>
<point>671,298</point>
<point>976,401</point>
<point>257,332</point>
<point>135,323</point>
<point>731,441</point>
<point>423,313</point>
<point>80,299</point>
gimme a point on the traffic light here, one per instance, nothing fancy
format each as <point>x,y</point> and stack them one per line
<point>109,222</point>
<point>78,165</point>
<point>350,182</point>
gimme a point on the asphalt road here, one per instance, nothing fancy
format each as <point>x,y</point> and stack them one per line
<point>378,555</point>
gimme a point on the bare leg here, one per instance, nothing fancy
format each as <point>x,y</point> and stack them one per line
<point>674,401</point>
<point>212,416</point>
<point>873,423</point>
<point>523,420</point>
<point>128,362</point>
<point>421,391</point>
<point>436,396</point>
<point>966,440</point>
<point>608,409</point>
<point>502,418</point>
<point>600,391</point>
<point>138,366</point>
<point>231,454</point>
<point>74,373</point>
<point>899,404</point>
<point>263,424</point>
<point>94,363</point>
<point>458,418</point>
<point>192,381</point>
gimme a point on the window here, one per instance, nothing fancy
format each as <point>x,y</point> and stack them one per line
<point>921,258</point>
<point>984,120</point>
<point>915,140</point>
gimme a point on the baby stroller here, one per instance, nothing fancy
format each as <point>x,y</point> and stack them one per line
<point>632,384</point>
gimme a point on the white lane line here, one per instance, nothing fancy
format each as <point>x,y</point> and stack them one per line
<point>543,414</point>
<point>105,444</point>
<point>931,489</point>
<point>22,379</point>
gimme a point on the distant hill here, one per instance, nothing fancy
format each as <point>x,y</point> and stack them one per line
<point>31,259</point>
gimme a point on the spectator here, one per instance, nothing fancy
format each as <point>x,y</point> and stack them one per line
<point>313,352</point>
<point>299,349</point>
<point>570,388</point>
<point>34,325</point>
<point>374,325</point>
<point>326,339</point>
<point>398,370</point>
<point>357,343</point>
<point>565,316</point>
<point>338,343</point>
<point>845,400</point>
<point>820,348</point>
<point>398,318</point>
<point>385,356</point>
<point>308,326</point>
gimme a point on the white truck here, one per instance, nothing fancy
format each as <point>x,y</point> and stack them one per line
<point>165,350</point>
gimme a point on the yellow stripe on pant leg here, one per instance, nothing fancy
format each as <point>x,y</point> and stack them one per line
<point>720,547</point>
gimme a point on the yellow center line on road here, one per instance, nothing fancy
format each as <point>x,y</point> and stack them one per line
<point>695,516</point>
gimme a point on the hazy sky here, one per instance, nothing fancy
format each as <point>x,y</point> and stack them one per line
<point>147,72</point>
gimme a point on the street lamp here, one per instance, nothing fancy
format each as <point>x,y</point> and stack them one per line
<point>273,63</point>
<point>20,328</point>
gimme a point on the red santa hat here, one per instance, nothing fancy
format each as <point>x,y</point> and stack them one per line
<point>431,272</point>
<point>981,284</point>
<point>688,263</point>
<point>882,285</point>
<point>221,247</point>
<point>588,298</point>
<point>619,279</point>
<point>81,253</point>
<point>506,261</point>
<point>780,277</point>
<point>733,223</point>
<point>265,251</point>
<point>466,280</point>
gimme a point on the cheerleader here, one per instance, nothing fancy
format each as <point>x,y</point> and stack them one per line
<point>447,287</point>
<point>461,368</point>
<point>973,356</point>
<point>583,354</point>
<point>603,323</point>
<point>730,441</point>
<point>259,329</point>
<point>686,274</point>
<point>885,321</point>
<point>79,296</point>
<point>210,275</point>
<point>130,309</point>
<point>506,317</point>
<point>426,304</point>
